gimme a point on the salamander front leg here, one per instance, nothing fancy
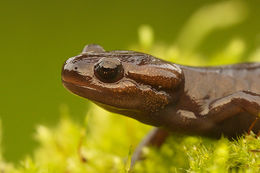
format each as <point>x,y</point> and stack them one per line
<point>231,105</point>
<point>154,138</point>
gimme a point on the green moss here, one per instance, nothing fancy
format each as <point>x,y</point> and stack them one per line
<point>107,140</point>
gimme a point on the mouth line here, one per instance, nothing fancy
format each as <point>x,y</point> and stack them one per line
<point>84,91</point>
<point>70,85</point>
<point>98,97</point>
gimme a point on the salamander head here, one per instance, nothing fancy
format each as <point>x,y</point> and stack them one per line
<point>125,82</point>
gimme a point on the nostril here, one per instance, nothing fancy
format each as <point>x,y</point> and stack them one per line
<point>75,68</point>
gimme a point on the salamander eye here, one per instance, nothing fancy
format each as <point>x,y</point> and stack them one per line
<point>109,70</point>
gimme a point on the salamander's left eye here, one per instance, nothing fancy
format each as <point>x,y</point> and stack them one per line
<point>109,70</point>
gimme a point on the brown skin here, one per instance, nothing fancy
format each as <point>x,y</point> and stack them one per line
<point>208,101</point>
<point>196,100</point>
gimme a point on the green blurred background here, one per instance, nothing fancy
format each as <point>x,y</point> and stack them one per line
<point>38,36</point>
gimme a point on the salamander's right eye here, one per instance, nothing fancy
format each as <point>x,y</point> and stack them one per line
<point>109,70</point>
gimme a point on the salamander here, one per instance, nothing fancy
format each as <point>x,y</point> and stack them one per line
<point>208,101</point>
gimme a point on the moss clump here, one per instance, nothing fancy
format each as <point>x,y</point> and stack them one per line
<point>106,140</point>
